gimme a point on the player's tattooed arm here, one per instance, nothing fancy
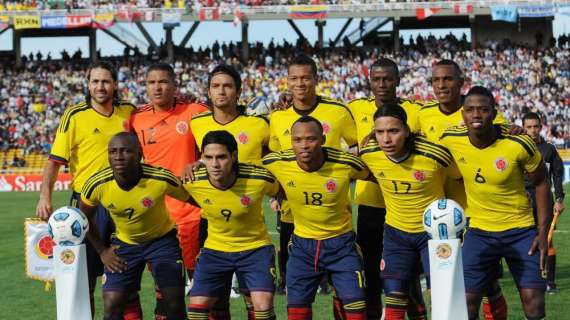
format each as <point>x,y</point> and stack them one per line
<point>110,259</point>
<point>544,210</point>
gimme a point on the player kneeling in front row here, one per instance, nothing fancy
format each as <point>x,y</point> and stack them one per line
<point>231,195</point>
<point>316,181</point>
<point>411,171</point>
<point>134,193</point>
<point>493,165</point>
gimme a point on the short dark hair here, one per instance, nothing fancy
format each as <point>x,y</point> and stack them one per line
<point>482,91</point>
<point>393,110</point>
<point>386,63</point>
<point>103,65</point>
<point>447,62</point>
<point>309,119</point>
<point>532,116</point>
<point>230,71</point>
<point>130,137</point>
<point>220,137</point>
<point>162,66</point>
<point>303,60</point>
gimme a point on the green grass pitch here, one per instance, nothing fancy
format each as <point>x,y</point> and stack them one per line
<point>23,298</point>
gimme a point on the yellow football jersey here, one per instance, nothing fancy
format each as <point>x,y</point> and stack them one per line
<point>494,178</point>
<point>431,123</point>
<point>368,193</point>
<point>250,132</point>
<point>412,184</point>
<point>82,138</point>
<point>338,124</point>
<point>140,213</point>
<point>235,215</point>
<point>319,199</point>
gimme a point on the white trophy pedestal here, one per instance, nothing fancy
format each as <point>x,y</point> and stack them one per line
<point>71,284</point>
<point>448,300</point>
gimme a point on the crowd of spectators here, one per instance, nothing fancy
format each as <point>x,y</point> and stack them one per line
<point>522,78</point>
<point>25,5</point>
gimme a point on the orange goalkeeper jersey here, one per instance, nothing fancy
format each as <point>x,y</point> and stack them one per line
<point>168,142</point>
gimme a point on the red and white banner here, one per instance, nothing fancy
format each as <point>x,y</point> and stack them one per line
<point>424,13</point>
<point>209,14</point>
<point>32,182</point>
<point>463,8</point>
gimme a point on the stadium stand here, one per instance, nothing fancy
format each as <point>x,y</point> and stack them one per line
<point>522,78</point>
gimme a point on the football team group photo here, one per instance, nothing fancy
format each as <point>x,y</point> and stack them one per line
<point>383,173</point>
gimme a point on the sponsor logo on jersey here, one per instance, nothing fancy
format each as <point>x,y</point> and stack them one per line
<point>182,127</point>
<point>501,164</point>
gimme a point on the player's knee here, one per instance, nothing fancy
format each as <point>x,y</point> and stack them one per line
<point>264,302</point>
<point>533,303</point>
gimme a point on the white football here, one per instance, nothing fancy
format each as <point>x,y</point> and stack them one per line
<point>444,219</point>
<point>68,226</point>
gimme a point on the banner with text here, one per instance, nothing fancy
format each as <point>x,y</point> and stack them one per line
<point>32,182</point>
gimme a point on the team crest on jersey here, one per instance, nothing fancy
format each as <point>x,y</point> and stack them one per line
<point>147,202</point>
<point>501,164</point>
<point>330,186</point>
<point>243,138</point>
<point>126,126</point>
<point>419,175</point>
<point>182,127</point>
<point>382,265</point>
<point>245,200</point>
<point>326,127</point>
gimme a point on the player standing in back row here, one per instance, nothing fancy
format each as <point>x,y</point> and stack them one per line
<point>163,129</point>
<point>338,127</point>
<point>384,80</point>
<point>555,173</point>
<point>81,141</point>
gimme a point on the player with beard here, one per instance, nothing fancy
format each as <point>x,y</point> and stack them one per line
<point>81,142</point>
